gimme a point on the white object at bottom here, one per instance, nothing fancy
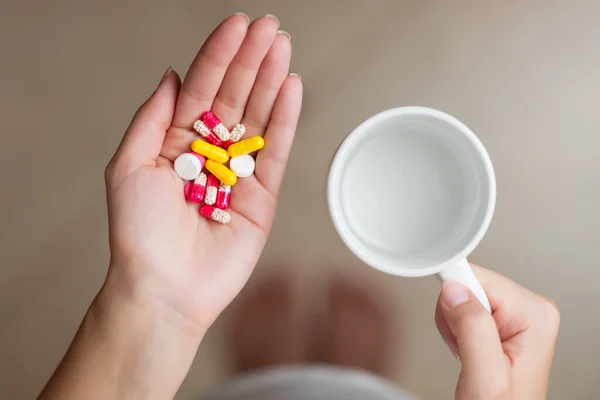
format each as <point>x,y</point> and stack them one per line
<point>310,383</point>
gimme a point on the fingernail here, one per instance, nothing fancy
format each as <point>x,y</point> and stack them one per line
<point>244,15</point>
<point>454,294</point>
<point>166,74</point>
<point>272,16</point>
<point>285,34</point>
<point>293,74</point>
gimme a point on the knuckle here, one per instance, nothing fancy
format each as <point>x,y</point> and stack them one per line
<point>474,322</point>
<point>194,93</point>
<point>229,100</point>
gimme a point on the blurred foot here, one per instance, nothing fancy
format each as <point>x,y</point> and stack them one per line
<point>358,328</point>
<point>266,327</point>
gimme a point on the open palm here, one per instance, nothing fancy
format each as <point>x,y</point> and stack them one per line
<point>161,248</point>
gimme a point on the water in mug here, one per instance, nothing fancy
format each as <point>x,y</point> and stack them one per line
<point>410,190</point>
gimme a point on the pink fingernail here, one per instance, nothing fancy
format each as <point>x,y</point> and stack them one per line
<point>284,33</point>
<point>243,15</point>
<point>454,294</point>
<point>274,17</point>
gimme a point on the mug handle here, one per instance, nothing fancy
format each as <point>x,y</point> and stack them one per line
<point>463,273</point>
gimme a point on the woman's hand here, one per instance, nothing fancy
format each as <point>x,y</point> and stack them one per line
<point>165,255</point>
<point>506,354</point>
<point>172,272</point>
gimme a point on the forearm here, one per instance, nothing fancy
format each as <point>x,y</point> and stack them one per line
<point>124,349</point>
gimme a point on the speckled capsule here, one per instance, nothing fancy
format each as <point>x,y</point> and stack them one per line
<point>246,146</point>
<point>212,187</point>
<point>194,190</point>
<point>214,123</point>
<point>223,196</point>
<point>210,151</point>
<point>237,132</point>
<point>224,174</point>
<point>215,214</point>
<point>206,133</point>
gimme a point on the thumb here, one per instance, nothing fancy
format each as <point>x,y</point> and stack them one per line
<point>479,346</point>
<point>143,140</point>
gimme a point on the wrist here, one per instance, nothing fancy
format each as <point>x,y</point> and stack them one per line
<point>131,299</point>
<point>149,351</point>
<point>127,347</point>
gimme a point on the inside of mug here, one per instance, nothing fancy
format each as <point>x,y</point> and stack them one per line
<point>414,192</point>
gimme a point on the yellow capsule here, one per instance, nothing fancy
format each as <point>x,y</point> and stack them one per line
<point>222,173</point>
<point>246,146</point>
<point>210,151</point>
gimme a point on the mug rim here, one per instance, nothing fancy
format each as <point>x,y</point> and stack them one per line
<point>334,196</point>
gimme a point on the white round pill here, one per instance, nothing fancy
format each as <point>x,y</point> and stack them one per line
<point>188,166</point>
<point>242,166</point>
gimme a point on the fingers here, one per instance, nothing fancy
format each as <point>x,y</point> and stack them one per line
<point>202,83</point>
<point>519,336</point>
<point>516,308</point>
<point>501,291</point>
<point>272,159</point>
<point>221,79</point>
<point>272,74</point>
<point>144,138</point>
<point>206,73</point>
<point>231,99</point>
<point>527,323</point>
<point>478,343</point>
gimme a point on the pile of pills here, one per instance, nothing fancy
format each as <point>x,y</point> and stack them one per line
<point>221,146</point>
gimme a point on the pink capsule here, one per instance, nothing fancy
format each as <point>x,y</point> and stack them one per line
<point>212,187</point>
<point>214,123</point>
<point>199,157</point>
<point>194,190</point>
<point>226,144</point>
<point>206,133</point>
<point>223,196</point>
<point>214,213</point>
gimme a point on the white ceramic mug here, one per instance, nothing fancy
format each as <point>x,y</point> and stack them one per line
<point>411,192</point>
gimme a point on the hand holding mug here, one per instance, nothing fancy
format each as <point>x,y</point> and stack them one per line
<point>411,192</point>
<point>506,354</point>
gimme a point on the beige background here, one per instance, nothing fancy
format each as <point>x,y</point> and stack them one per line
<point>523,75</point>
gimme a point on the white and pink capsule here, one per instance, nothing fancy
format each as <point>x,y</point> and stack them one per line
<point>194,190</point>
<point>207,134</point>
<point>223,196</point>
<point>215,214</point>
<point>214,123</point>
<point>212,189</point>
<point>236,134</point>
